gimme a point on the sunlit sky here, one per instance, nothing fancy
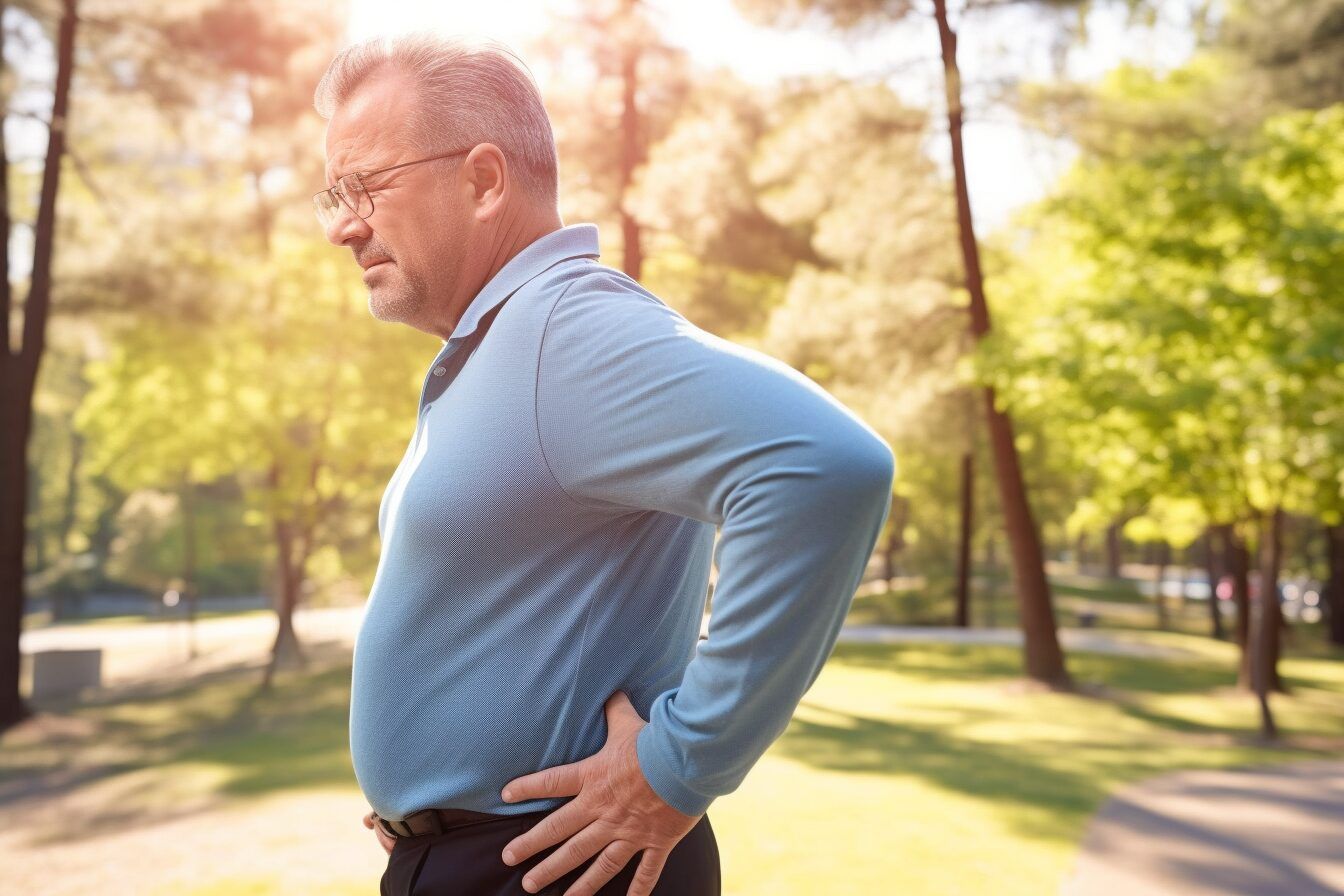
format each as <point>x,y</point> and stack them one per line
<point>1007,165</point>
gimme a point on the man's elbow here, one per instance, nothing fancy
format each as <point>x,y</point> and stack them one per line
<point>863,469</point>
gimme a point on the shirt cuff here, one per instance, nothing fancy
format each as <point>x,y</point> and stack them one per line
<point>658,772</point>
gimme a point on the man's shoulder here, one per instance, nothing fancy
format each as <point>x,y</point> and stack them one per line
<point>605,302</point>
<point>604,316</point>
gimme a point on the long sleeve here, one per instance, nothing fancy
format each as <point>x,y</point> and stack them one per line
<point>638,409</point>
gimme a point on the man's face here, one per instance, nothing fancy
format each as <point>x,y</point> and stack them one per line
<point>412,246</point>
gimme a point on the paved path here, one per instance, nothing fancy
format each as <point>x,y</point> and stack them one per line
<point>160,651</point>
<point>1275,831</point>
<point>137,652</point>
<point>239,846</point>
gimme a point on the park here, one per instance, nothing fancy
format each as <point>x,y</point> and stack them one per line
<point>1076,264</point>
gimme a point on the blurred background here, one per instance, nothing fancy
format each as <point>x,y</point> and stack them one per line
<point>1078,262</point>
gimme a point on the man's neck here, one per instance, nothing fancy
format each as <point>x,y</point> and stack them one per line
<point>517,236</point>
<point>535,227</point>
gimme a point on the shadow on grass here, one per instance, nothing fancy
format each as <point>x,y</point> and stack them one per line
<point>145,742</point>
<point>128,749</point>
<point>1049,779</point>
<point>1019,774</point>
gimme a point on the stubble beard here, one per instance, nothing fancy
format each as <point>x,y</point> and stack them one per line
<point>399,301</point>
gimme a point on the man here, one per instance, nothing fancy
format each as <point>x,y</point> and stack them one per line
<point>529,707</point>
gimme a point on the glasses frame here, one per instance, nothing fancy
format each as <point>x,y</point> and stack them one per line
<point>356,179</point>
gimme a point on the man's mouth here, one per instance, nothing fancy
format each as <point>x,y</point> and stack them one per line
<point>375,263</point>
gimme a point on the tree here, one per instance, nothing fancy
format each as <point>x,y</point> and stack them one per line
<point>634,88</point>
<point>262,61</point>
<point>1044,660</point>
<point>1293,46</point>
<point>19,374</point>
<point>1180,332</point>
<point>717,249</point>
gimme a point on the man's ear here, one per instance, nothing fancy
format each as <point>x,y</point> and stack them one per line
<point>488,172</point>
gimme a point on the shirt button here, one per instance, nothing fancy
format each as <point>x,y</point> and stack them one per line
<point>440,371</point>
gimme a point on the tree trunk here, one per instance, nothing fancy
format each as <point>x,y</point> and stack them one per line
<point>1265,652</point>
<point>1184,575</point>
<point>70,501</point>
<point>1215,575</point>
<point>900,511</point>
<point>1162,558</point>
<point>1113,550</point>
<point>285,650</point>
<point>1238,561</point>
<point>631,155</point>
<point>189,590</point>
<point>19,374</point>
<point>964,550</point>
<point>1333,593</point>
<point>1043,658</point>
<point>992,581</point>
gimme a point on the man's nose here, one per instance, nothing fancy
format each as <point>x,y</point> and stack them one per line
<point>347,225</point>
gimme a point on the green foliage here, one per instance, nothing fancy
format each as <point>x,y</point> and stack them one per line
<point>1175,321</point>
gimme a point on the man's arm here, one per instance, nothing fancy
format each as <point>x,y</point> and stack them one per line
<point>639,409</point>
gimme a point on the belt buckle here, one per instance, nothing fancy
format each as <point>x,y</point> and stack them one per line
<point>435,821</point>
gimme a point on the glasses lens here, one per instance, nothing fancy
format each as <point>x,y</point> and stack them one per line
<point>326,205</point>
<point>354,195</point>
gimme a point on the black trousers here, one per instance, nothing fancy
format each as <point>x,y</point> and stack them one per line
<point>465,860</point>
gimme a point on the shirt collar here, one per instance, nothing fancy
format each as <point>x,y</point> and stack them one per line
<point>574,241</point>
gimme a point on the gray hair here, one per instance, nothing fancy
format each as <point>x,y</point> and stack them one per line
<point>470,91</point>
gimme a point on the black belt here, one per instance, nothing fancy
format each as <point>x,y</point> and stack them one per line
<point>434,821</point>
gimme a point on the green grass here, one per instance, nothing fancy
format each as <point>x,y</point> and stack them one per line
<point>919,769</point>
<point>1115,604</point>
<point>1094,588</point>
<point>925,759</point>
<point>219,736</point>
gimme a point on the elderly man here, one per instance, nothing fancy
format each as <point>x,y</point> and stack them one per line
<point>532,709</point>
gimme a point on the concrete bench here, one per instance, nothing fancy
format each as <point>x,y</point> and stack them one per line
<point>61,673</point>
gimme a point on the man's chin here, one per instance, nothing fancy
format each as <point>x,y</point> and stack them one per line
<point>385,307</point>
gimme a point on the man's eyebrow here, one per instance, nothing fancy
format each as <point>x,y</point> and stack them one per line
<point>380,170</point>
<point>341,174</point>
<point>352,169</point>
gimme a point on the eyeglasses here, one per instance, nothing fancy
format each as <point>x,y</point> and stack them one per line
<point>351,192</point>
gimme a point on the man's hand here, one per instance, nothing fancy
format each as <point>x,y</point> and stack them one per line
<point>384,838</point>
<point>614,812</point>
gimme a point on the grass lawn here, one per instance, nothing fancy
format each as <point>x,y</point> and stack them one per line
<point>1114,603</point>
<point>913,769</point>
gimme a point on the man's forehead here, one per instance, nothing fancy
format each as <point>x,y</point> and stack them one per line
<point>365,131</point>
<point>357,153</point>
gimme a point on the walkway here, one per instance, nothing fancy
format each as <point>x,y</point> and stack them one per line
<point>137,652</point>
<point>1275,831</point>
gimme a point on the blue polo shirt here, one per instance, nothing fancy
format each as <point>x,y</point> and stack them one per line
<point>548,534</point>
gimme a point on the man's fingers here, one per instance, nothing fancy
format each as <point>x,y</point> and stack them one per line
<point>558,780</point>
<point>554,828</point>
<point>647,874</point>
<point>573,853</point>
<point>384,840</point>
<point>607,865</point>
